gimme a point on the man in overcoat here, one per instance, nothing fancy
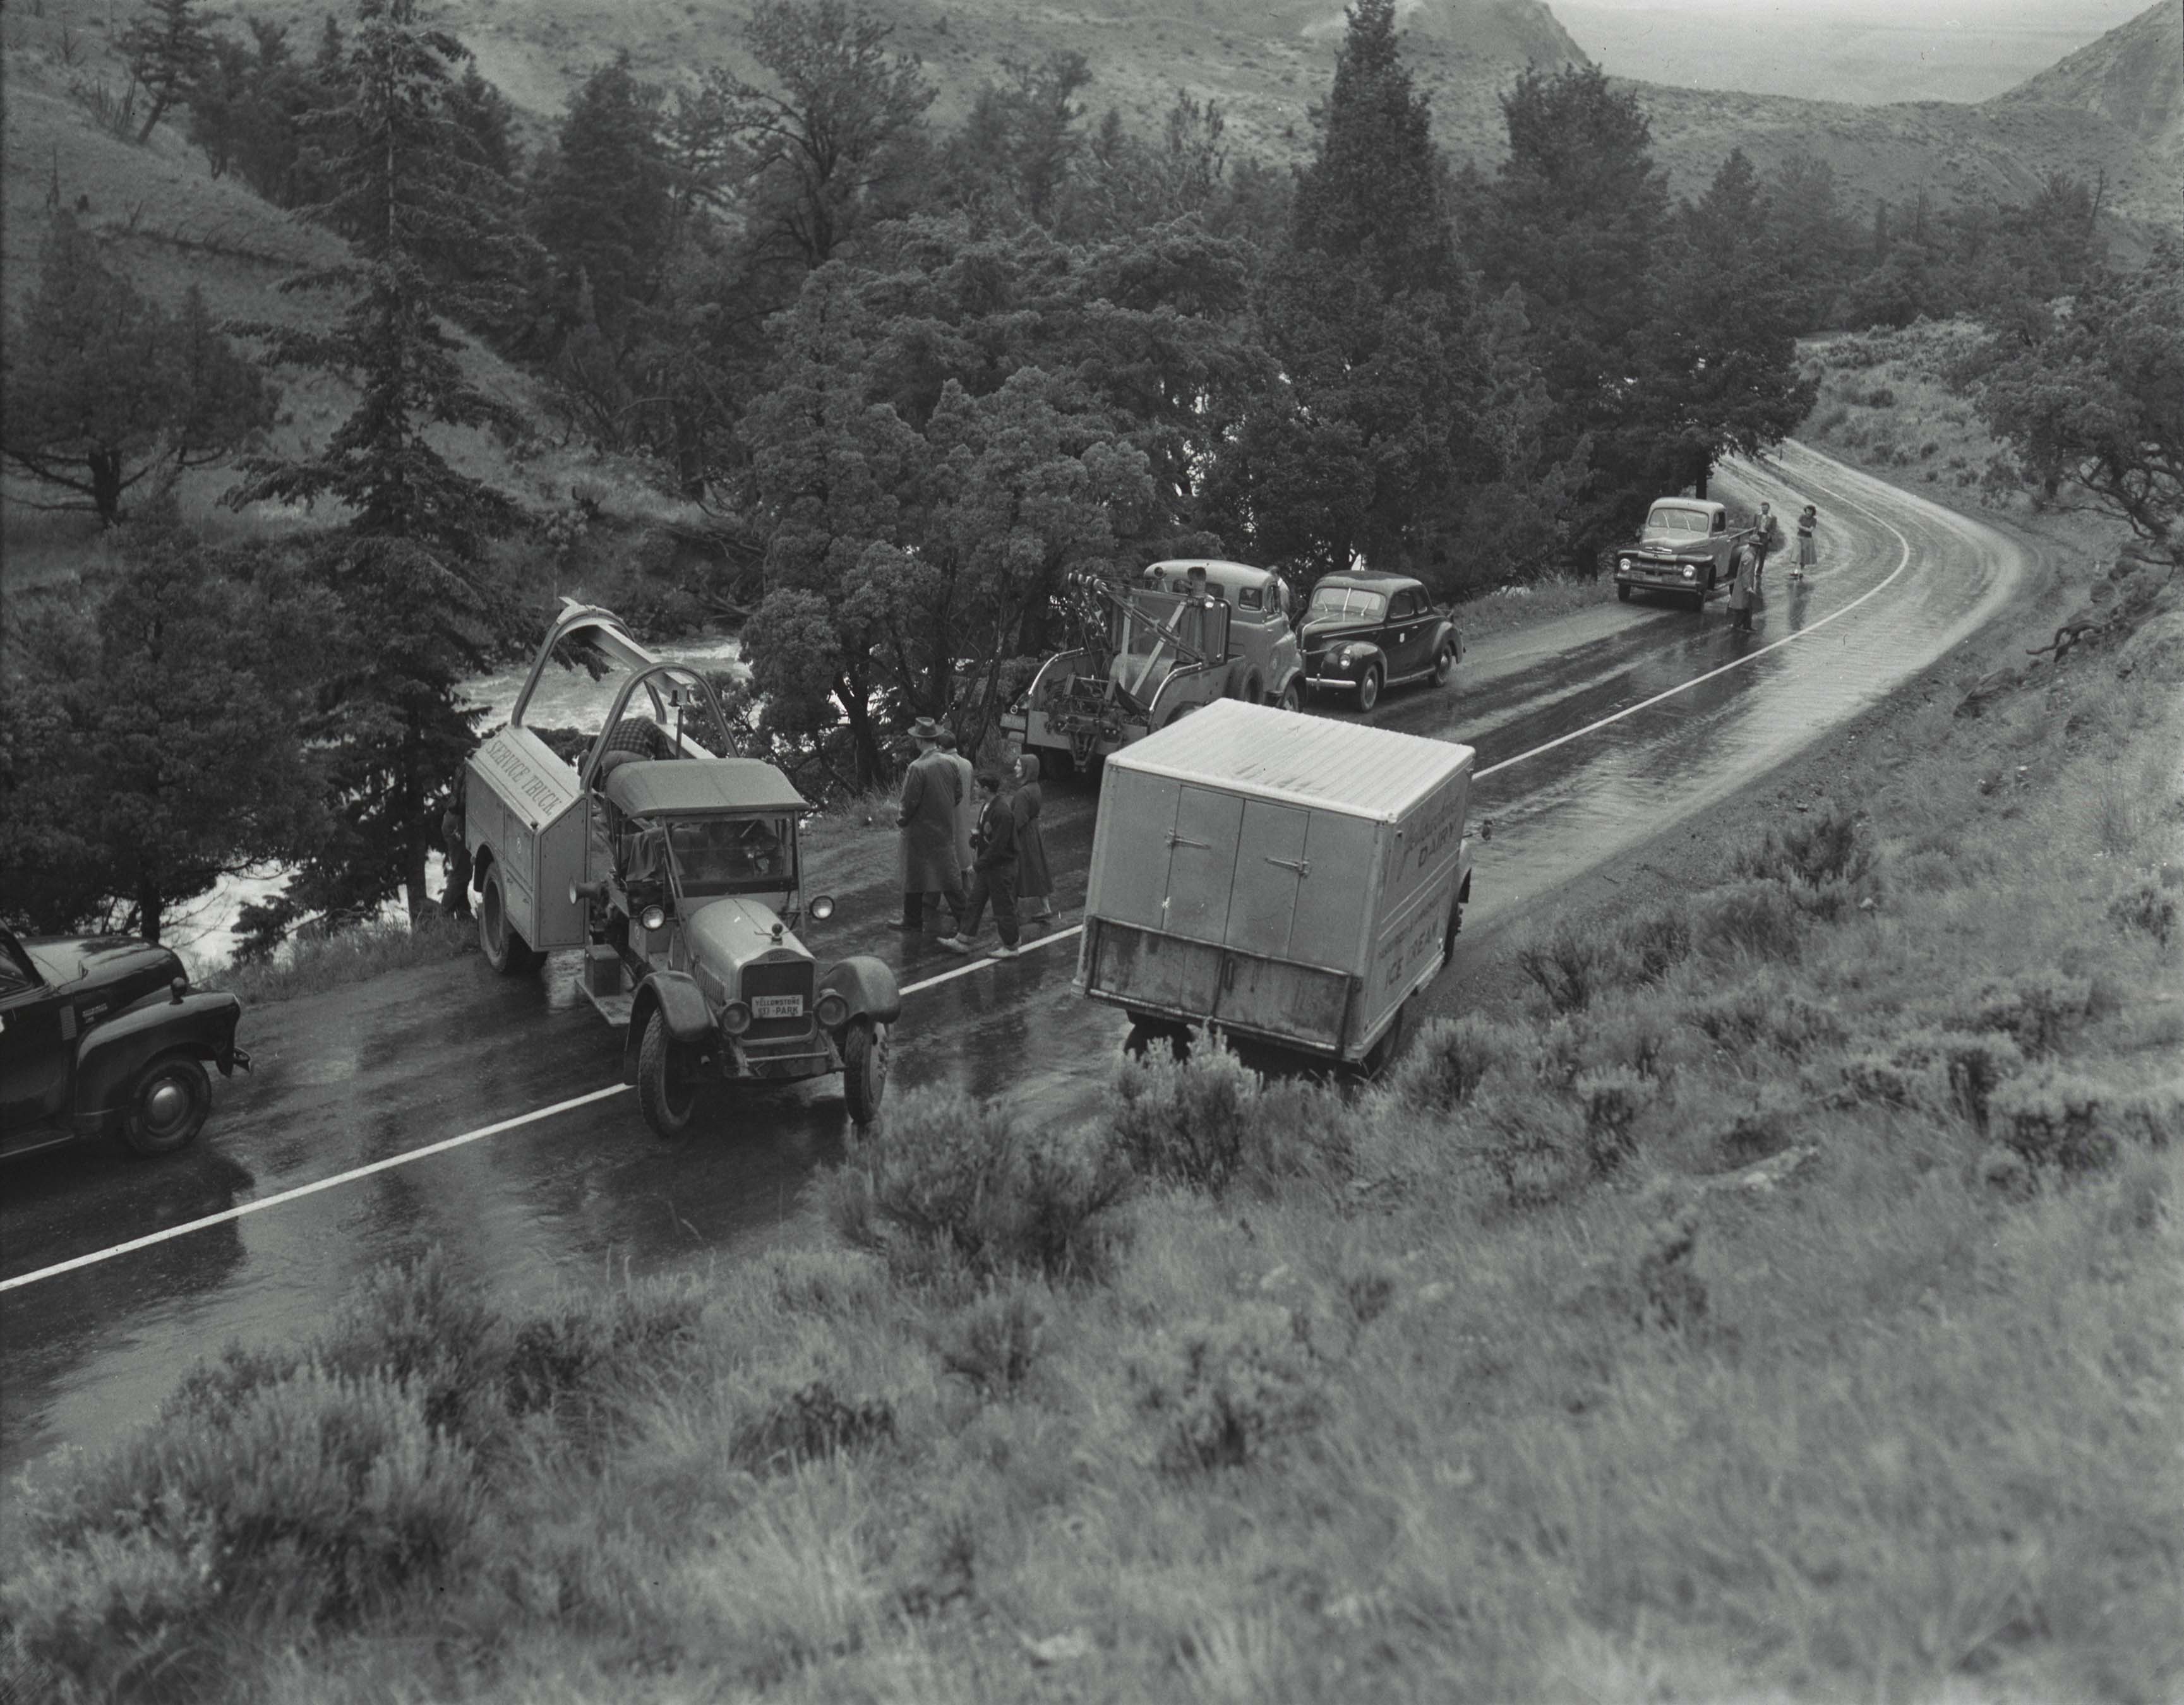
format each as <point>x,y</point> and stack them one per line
<point>967,810</point>
<point>930,797</point>
<point>1742,589</point>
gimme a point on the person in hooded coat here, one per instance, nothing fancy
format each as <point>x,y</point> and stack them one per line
<point>1034,879</point>
<point>1742,589</point>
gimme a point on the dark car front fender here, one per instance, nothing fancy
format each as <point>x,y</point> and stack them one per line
<point>675,994</point>
<point>868,985</point>
<point>111,1055</point>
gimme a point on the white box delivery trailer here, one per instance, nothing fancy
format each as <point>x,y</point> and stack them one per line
<point>1289,879</point>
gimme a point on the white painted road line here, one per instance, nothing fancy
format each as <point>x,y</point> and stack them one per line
<point>950,976</point>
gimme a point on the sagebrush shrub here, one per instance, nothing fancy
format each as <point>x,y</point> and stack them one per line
<point>808,1425</point>
<point>1612,1100</point>
<point>592,1355</point>
<point>1568,964</point>
<point>1824,845</point>
<point>2146,908</point>
<point>947,1189</point>
<point>1210,1123</point>
<point>1755,1015</point>
<point>2054,1119</point>
<point>2038,1010</point>
<point>1653,942</point>
<point>994,1342</point>
<point>1753,918</point>
<point>1451,1057</point>
<point>1531,1140</point>
<point>1229,1388</point>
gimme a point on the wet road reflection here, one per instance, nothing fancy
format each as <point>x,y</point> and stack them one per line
<point>415,1058</point>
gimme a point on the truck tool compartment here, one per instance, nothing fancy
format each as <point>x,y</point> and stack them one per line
<point>1287,877</point>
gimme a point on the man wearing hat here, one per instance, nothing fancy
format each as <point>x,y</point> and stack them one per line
<point>931,798</point>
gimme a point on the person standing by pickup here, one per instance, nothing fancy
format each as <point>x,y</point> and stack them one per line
<point>1766,534</point>
<point>1808,523</point>
<point>1742,588</point>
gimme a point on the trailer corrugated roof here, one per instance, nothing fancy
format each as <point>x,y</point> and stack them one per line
<point>1347,767</point>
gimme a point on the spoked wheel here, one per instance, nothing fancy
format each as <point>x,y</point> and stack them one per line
<point>1368,687</point>
<point>503,945</point>
<point>1443,665</point>
<point>864,1070</point>
<point>1149,1038</point>
<point>168,1106</point>
<point>667,1084</point>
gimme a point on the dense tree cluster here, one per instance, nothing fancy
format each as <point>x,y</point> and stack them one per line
<point>923,375</point>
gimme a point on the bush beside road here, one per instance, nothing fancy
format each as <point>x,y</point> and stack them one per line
<point>1782,1293</point>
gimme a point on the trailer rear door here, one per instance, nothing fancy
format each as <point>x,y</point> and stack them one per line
<point>1202,864</point>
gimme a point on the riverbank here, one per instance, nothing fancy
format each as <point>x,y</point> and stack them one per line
<point>1786,1299</point>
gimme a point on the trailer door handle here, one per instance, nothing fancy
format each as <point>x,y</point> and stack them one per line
<point>1302,867</point>
<point>1177,840</point>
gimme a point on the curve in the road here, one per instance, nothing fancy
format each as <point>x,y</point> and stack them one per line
<point>499,1127</point>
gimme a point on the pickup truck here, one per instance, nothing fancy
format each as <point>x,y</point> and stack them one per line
<point>1685,550</point>
<point>1290,880</point>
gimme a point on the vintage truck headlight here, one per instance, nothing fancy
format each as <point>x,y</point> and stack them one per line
<point>654,918</point>
<point>1623,565</point>
<point>735,1018</point>
<point>831,1010</point>
<point>1691,571</point>
<point>822,908</point>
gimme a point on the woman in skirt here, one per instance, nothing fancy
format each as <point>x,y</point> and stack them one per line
<point>1806,523</point>
<point>1034,880</point>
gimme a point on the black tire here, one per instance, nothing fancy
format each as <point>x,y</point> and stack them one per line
<point>1292,698</point>
<point>503,945</point>
<point>1455,929</point>
<point>167,1105</point>
<point>1382,1053</point>
<point>1623,595</point>
<point>1369,688</point>
<point>665,1088</point>
<point>1145,1033</point>
<point>864,1070</point>
<point>1443,665</point>
<point>1254,690</point>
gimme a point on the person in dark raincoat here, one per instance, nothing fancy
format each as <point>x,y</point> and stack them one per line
<point>967,810</point>
<point>930,796</point>
<point>1034,879</point>
<point>455,901</point>
<point>1742,589</point>
<point>994,877</point>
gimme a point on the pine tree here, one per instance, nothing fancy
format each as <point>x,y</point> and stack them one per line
<point>407,563</point>
<point>602,206</point>
<point>102,390</point>
<point>169,49</point>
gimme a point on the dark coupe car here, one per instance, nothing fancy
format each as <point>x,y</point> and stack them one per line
<point>1364,632</point>
<point>102,1034</point>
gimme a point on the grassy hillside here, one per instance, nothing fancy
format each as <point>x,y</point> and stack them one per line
<point>1786,1305</point>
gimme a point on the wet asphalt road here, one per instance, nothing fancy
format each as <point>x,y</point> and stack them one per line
<point>365,1074</point>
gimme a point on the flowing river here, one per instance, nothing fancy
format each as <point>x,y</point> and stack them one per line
<point>200,932</point>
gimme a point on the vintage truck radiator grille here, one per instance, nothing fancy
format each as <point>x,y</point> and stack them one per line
<point>797,976</point>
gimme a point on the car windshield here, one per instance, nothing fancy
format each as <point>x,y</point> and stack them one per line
<point>1667,520</point>
<point>1350,603</point>
<point>740,855</point>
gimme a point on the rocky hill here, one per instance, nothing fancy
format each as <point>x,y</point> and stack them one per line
<point>2132,78</point>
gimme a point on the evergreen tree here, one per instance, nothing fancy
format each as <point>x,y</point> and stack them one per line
<point>169,49</point>
<point>602,205</point>
<point>166,709</point>
<point>407,563</point>
<point>100,391</point>
<point>1722,375</point>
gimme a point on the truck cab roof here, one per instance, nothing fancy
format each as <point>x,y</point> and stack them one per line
<point>1235,583</point>
<point>699,787</point>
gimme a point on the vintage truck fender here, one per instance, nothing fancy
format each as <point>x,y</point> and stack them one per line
<point>112,1054</point>
<point>868,984</point>
<point>674,992</point>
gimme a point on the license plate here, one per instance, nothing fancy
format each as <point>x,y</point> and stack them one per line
<point>777,1005</point>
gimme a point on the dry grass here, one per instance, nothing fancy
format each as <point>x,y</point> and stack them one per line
<point>313,964</point>
<point>1514,608</point>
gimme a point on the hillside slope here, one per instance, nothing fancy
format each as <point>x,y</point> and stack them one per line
<point>2133,78</point>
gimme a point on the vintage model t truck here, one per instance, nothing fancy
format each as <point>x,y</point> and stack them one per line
<point>1193,631</point>
<point>676,868</point>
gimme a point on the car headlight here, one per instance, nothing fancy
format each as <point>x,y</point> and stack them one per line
<point>822,908</point>
<point>1624,563</point>
<point>654,918</point>
<point>735,1018</point>
<point>1691,572</point>
<point>831,1010</point>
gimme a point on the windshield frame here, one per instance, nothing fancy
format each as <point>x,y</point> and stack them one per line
<point>1698,522</point>
<point>786,882</point>
<point>1372,606</point>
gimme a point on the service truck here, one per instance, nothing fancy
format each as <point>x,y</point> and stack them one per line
<point>1290,880</point>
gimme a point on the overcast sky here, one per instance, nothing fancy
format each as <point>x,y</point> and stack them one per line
<point>2089,17</point>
